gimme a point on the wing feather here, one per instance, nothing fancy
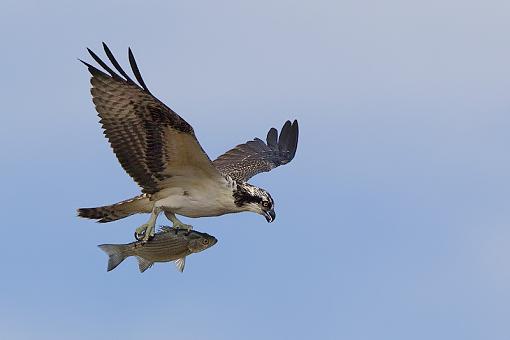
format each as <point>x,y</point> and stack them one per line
<point>272,138</point>
<point>151,142</point>
<point>253,157</point>
<point>115,63</point>
<point>135,69</point>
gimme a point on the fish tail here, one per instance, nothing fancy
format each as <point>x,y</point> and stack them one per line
<point>113,212</point>
<point>116,254</point>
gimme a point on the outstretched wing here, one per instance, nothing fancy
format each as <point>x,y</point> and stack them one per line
<point>253,157</point>
<point>151,142</point>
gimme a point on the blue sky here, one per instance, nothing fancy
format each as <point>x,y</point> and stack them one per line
<point>392,220</point>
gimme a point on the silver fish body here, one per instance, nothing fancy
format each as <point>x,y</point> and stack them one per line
<point>167,245</point>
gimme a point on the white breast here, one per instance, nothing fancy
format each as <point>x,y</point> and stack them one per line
<point>198,199</point>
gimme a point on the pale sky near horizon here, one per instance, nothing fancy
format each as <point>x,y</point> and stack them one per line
<point>392,220</point>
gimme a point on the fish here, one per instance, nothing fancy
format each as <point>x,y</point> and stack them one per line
<point>169,244</point>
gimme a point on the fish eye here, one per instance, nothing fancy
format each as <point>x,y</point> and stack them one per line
<point>265,204</point>
<point>205,241</point>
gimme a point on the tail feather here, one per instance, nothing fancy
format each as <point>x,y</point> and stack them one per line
<point>109,213</point>
<point>116,254</point>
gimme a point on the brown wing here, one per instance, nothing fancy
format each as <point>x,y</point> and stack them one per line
<point>151,142</point>
<point>253,157</point>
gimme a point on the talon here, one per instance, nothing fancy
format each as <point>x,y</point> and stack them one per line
<point>146,231</point>
<point>140,233</point>
<point>182,226</point>
<point>141,237</point>
<point>138,236</point>
<point>177,225</point>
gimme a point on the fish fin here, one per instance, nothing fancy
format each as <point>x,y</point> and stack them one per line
<point>144,264</point>
<point>180,263</point>
<point>115,254</point>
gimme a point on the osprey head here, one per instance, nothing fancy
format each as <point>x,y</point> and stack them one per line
<point>251,198</point>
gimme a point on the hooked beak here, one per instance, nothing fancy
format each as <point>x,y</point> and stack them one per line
<point>270,215</point>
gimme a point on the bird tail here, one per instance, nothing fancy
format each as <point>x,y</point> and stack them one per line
<point>108,213</point>
<point>116,254</point>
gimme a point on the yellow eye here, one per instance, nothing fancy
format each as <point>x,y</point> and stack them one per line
<point>265,204</point>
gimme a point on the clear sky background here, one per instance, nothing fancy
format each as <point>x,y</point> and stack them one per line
<point>392,220</point>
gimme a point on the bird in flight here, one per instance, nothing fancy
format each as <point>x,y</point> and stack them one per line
<point>160,151</point>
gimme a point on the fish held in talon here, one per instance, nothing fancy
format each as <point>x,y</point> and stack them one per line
<point>169,244</point>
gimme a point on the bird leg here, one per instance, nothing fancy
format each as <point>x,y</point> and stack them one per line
<point>146,230</point>
<point>176,223</point>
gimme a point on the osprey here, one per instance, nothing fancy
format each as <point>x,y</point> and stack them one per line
<point>160,151</point>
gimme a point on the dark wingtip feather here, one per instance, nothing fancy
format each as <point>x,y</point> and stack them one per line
<point>103,64</point>
<point>85,63</point>
<point>283,140</point>
<point>136,71</point>
<point>94,70</point>
<point>293,139</point>
<point>90,67</point>
<point>115,63</point>
<point>272,138</point>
